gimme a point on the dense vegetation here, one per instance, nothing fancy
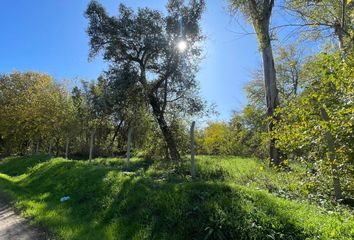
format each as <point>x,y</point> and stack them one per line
<point>232,198</point>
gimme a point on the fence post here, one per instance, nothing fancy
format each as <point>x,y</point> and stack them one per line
<point>192,151</point>
<point>129,145</point>
<point>50,146</point>
<point>91,143</point>
<point>67,147</point>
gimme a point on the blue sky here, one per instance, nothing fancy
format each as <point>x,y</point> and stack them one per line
<point>50,37</point>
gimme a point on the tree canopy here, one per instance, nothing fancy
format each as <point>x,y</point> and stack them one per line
<point>145,44</point>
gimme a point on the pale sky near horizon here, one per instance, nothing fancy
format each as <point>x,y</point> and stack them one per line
<point>50,37</point>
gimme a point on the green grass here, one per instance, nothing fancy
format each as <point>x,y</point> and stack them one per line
<point>229,200</point>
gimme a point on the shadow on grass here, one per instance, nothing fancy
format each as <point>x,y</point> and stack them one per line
<point>14,166</point>
<point>146,209</point>
<point>107,204</point>
<point>134,165</point>
<point>10,190</point>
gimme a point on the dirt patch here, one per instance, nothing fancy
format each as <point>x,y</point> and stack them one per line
<point>15,227</point>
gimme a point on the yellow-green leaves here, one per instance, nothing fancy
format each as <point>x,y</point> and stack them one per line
<point>33,107</point>
<point>302,131</point>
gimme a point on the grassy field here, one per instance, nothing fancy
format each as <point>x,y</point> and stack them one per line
<point>232,198</point>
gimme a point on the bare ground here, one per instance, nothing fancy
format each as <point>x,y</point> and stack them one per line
<point>14,227</point>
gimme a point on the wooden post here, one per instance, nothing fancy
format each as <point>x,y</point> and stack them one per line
<point>57,147</point>
<point>37,146</point>
<point>67,147</point>
<point>129,145</point>
<point>50,147</point>
<point>30,143</point>
<point>192,151</point>
<point>92,133</point>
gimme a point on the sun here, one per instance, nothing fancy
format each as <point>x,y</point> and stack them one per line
<point>182,45</point>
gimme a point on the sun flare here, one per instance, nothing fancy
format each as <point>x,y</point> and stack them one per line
<point>182,45</point>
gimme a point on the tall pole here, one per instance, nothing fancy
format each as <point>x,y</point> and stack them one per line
<point>50,147</point>
<point>37,147</point>
<point>129,145</point>
<point>91,143</point>
<point>67,147</point>
<point>192,151</point>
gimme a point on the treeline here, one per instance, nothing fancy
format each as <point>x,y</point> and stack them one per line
<point>244,135</point>
<point>39,115</point>
<point>35,113</point>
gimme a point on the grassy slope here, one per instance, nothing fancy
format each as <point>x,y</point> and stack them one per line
<point>227,202</point>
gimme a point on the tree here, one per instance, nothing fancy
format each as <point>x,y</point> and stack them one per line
<point>82,114</point>
<point>259,13</point>
<point>289,60</point>
<point>33,106</point>
<point>146,42</point>
<point>244,135</point>
<point>125,103</point>
<point>318,125</point>
<point>288,65</point>
<point>216,138</point>
<point>325,18</point>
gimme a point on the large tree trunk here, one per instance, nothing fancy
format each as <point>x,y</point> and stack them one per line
<point>260,14</point>
<point>166,131</point>
<point>271,95</point>
<point>339,32</point>
<point>332,157</point>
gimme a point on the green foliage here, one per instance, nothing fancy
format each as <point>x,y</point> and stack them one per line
<point>325,18</point>
<point>33,107</point>
<point>301,132</point>
<point>153,202</point>
<point>43,114</point>
<point>244,135</point>
<point>142,47</point>
<point>289,61</point>
<point>12,166</point>
<point>216,138</point>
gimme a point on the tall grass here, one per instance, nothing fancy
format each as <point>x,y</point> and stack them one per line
<point>229,200</point>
